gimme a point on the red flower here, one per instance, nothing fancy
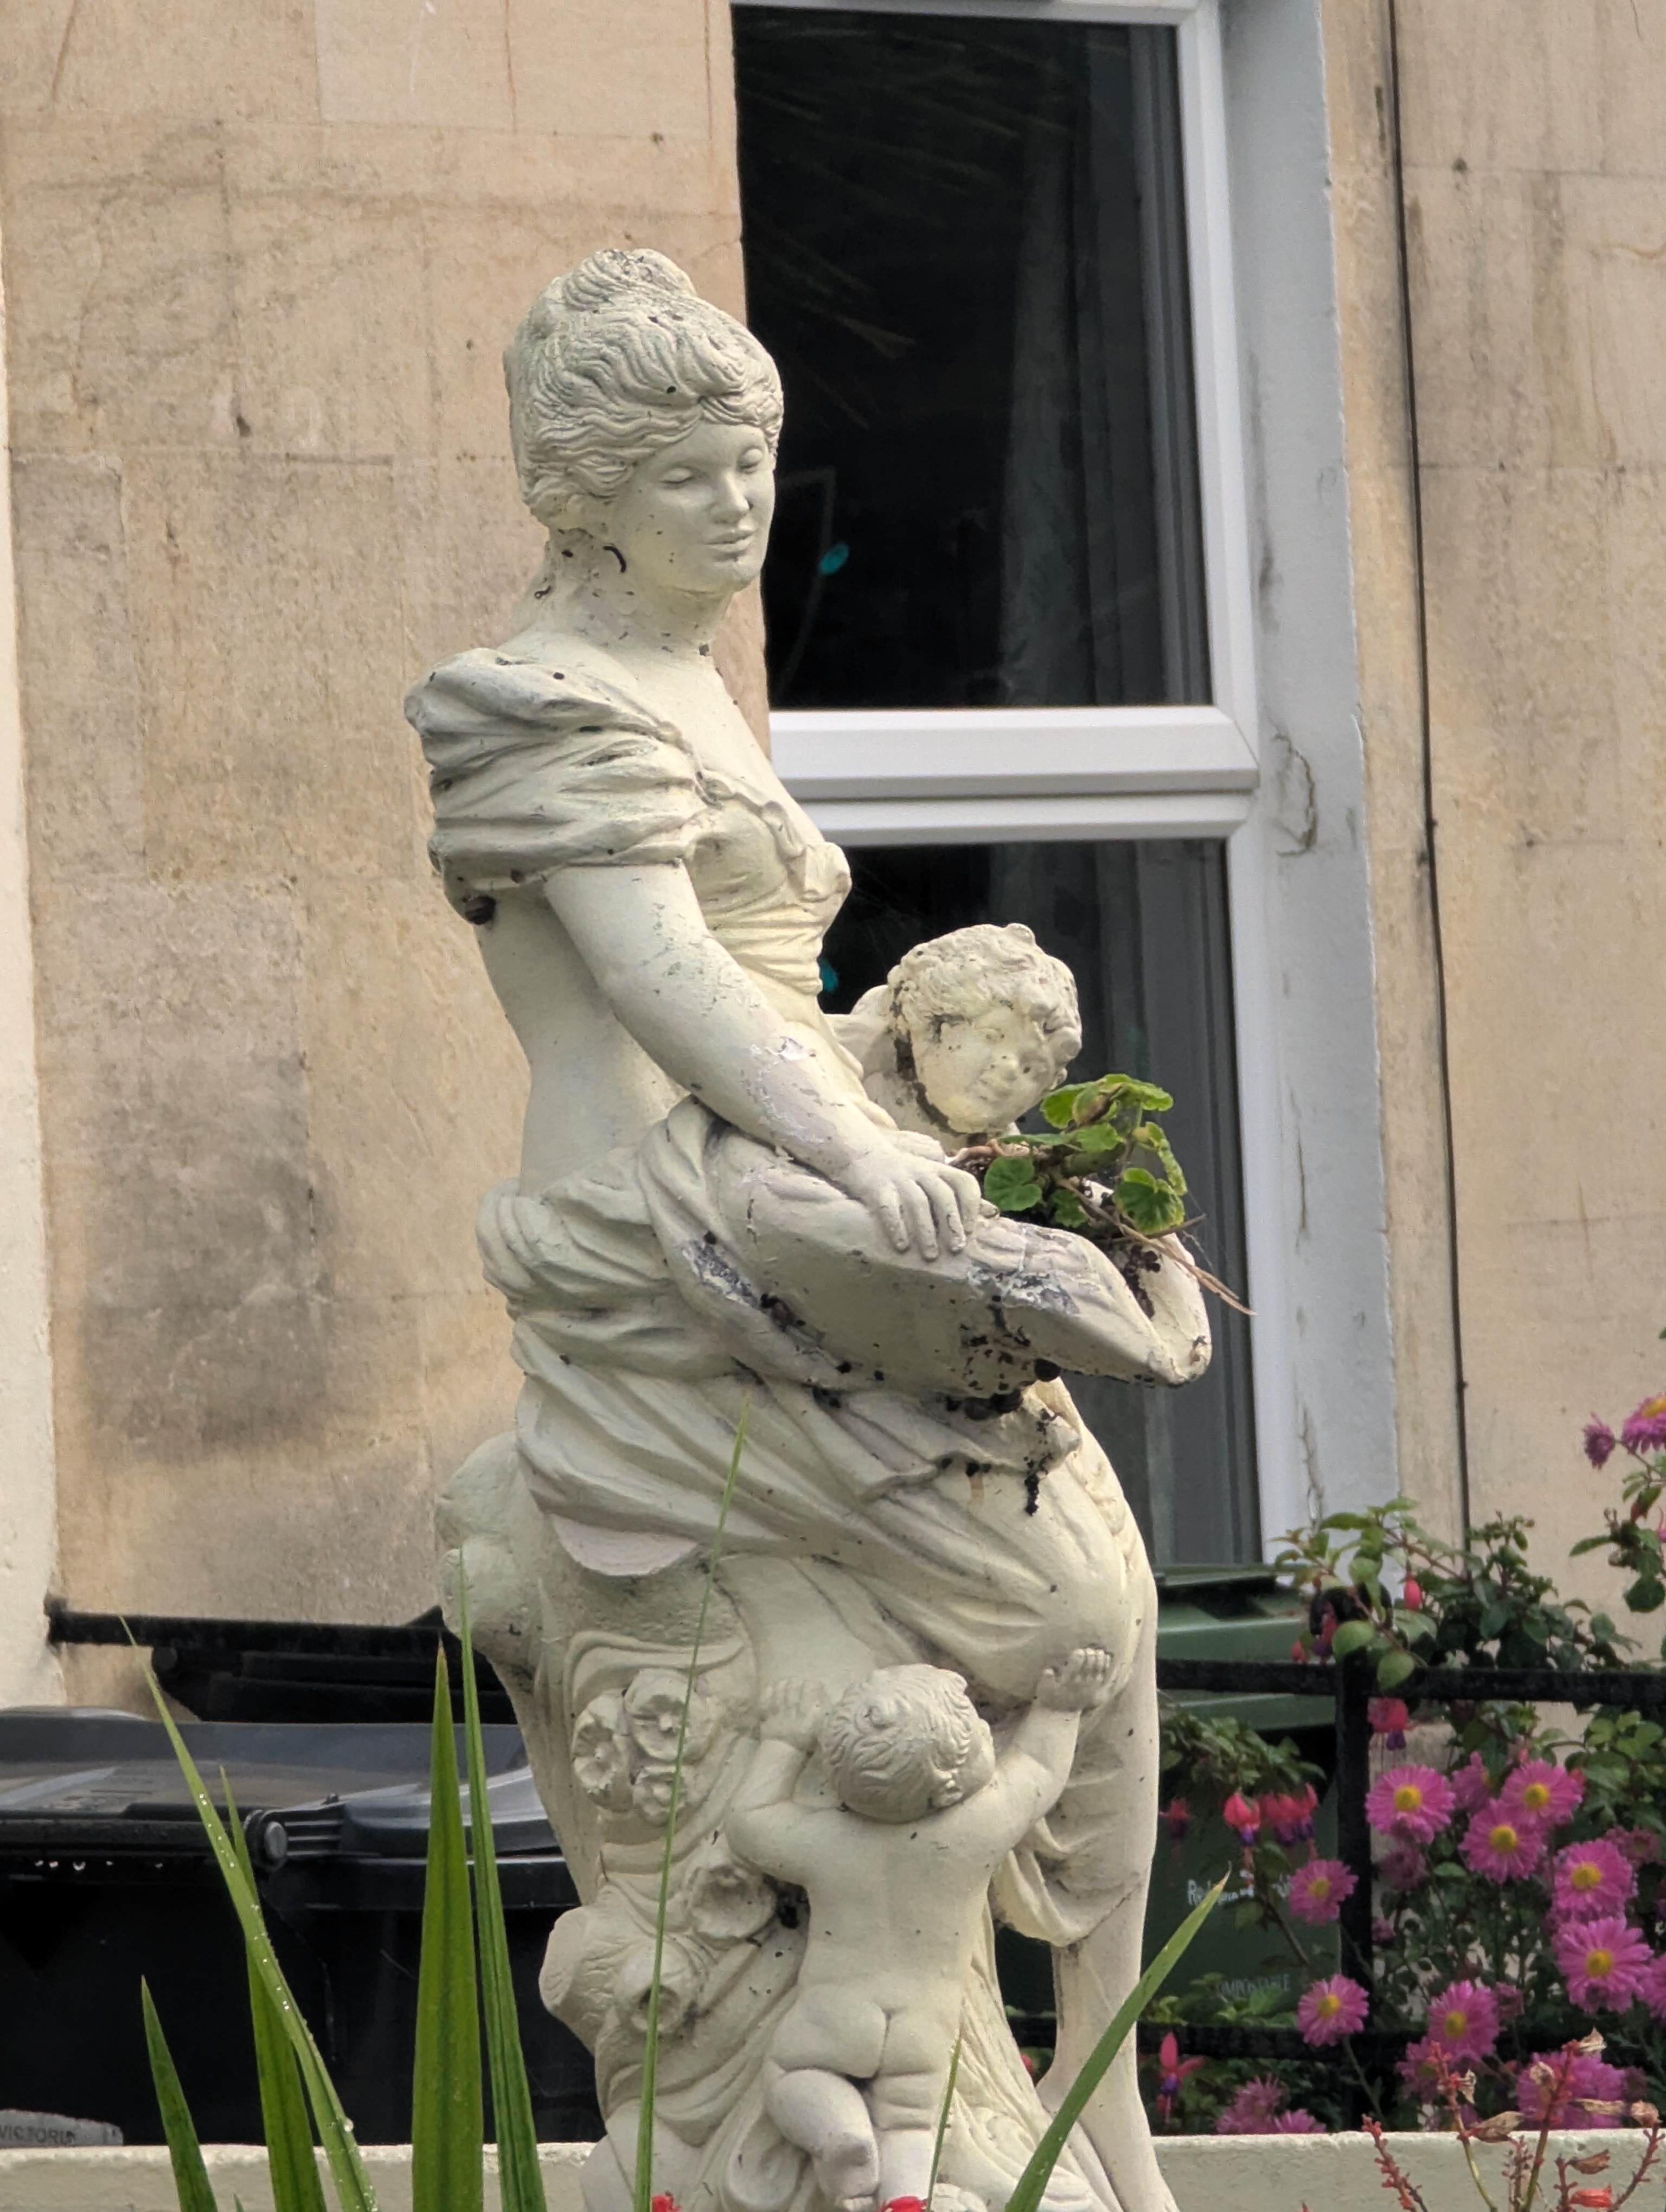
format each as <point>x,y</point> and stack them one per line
<point>1242,1814</point>
<point>1178,1818</point>
<point>1390,1718</point>
<point>1411,1596</point>
<point>904,2204</point>
<point>668,2202</point>
<point>1173,2072</point>
<point>1593,2200</point>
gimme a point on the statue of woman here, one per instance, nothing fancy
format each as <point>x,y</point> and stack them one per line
<point>715,1222</point>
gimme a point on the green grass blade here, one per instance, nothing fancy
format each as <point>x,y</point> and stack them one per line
<point>943,2119</point>
<point>448,2127</point>
<point>1032,2182</point>
<point>296,2183</point>
<point>644,2177</point>
<point>191,2181</point>
<point>520,2177</point>
<point>335,2129</point>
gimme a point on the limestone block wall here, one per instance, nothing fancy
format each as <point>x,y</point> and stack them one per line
<point>1534,136</point>
<point>258,265</point>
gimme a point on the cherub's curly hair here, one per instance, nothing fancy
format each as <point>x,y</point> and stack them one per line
<point>616,359</point>
<point>895,1741</point>
<point>953,978</point>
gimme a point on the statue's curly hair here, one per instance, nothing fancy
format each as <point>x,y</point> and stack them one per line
<point>896,1739</point>
<point>953,978</point>
<point>616,359</point>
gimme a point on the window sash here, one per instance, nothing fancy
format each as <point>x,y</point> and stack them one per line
<point>1138,763</point>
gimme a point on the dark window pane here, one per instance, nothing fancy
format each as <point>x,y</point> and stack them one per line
<point>965,244</point>
<point>1143,926</point>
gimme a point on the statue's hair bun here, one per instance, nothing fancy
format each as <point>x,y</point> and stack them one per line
<point>619,274</point>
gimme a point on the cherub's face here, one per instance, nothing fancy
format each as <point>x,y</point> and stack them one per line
<point>981,1071</point>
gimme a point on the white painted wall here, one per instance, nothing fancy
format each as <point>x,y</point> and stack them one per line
<point>1304,843</point>
<point>29,1672</point>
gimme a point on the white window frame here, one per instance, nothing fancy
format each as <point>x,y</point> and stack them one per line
<point>994,775</point>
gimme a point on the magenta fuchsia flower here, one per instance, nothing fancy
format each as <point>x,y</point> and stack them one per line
<point>1592,1879</point>
<point>1464,2021</point>
<point>1503,1848</point>
<point>1173,2073</point>
<point>1242,1816</point>
<point>1575,2084</point>
<point>1317,1890</point>
<point>1411,1595</point>
<point>1332,2008</point>
<point>1405,1868</point>
<point>1389,1719</point>
<point>1543,1791</point>
<point>1177,1819</point>
<point>1644,1428</point>
<point>1413,1803</point>
<point>1602,1962</point>
<point>1600,1441</point>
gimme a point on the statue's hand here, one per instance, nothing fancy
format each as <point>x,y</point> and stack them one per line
<point>792,1712</point>
<point>915,1200</point>
<point>1081,1683</point>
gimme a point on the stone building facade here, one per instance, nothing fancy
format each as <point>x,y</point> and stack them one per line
<point>258,265</point>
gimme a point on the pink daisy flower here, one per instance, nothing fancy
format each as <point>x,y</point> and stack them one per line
<point>1472,1785</point>
<point>1464,2019</point>
<point>1332,2008</point>
<point>1299,2123</point>
<point>1405,1868</point>
<point>1542,1791</point>
<point>1317,1889</point>
<point>1644,1428</point>
<point>1573,2084</point>
<point>1503,1846</point>
<point>1413,1803</point>
<point>1602,1962</point>
<point>1652,1987</point>
<point>1593,1879</point>
<point>1420,2068</point>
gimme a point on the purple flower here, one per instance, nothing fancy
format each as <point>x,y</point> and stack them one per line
<point>1258,2110</point>
<point>1600,1441</point>
<point>1420,2068</point>
<point>1504,1847</point>
<point>1332,2008</point>
<point>1472,1785</point>
<point>1602,1962</point>
<point>1644,1428</point>
<point>1405,1868</point>
<point>1562,2087</point>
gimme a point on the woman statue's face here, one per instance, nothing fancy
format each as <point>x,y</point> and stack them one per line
<point>695,516</point>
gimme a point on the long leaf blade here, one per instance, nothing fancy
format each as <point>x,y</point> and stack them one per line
<point>448,2126</point>
<point>296,2183</point>
<point>643,2189</point>
<point>335,2129</point>
<point>520,2176</point>
<point>191,2181</point>
<point>1032,2182</point>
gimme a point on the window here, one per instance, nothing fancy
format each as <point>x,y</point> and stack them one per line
<point>1007,601</point>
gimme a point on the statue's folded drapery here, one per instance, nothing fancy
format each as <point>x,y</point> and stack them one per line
<point>936,1499</point>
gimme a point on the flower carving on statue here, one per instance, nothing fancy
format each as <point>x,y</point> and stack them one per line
<point>625,1746</point>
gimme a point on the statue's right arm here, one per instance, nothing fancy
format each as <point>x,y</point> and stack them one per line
<point>699,1017</point>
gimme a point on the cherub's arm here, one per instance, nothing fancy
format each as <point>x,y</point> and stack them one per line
<point>764,1826</point>
<point>1036,1765</point>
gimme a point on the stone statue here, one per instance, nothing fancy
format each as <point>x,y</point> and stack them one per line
<point>729,1203</point>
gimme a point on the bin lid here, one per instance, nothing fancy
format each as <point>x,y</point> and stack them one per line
<point>79,1784</point>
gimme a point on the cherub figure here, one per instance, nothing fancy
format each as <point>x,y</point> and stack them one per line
<point>897,1872</point>
<point>967,1033</point>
